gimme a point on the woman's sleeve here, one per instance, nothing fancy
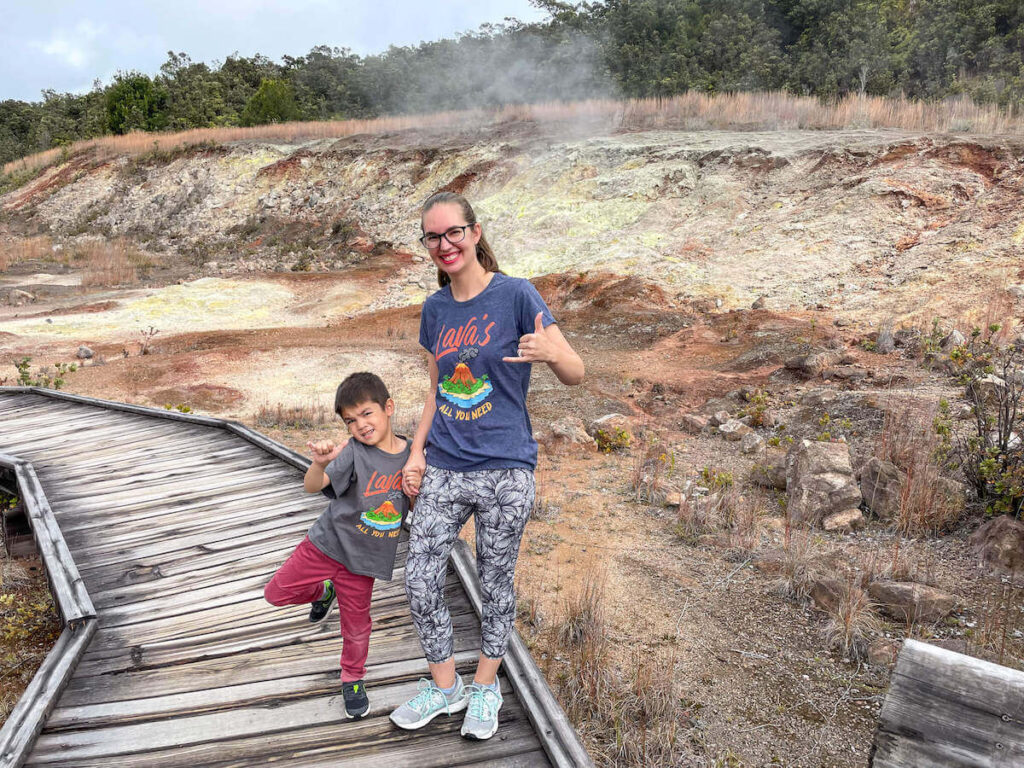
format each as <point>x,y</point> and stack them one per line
<point>426,326</point>
<point>529,303</point>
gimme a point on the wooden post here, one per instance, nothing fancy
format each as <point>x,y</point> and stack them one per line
<point>947,710</point>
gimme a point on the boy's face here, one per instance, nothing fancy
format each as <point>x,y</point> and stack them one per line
<point>368,422</point>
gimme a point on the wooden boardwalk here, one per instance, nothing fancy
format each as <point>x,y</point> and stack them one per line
<point>175,524</point>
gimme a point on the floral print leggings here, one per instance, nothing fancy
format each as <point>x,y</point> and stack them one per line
<point>500,501</point>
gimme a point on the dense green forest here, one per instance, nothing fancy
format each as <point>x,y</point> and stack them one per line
<point>623,48</point>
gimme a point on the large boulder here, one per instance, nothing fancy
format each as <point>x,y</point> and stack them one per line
<point>881,485</point>
<point>999,545</point>
<point>819,481</point>
<point>907,601</point>
<point>848,520</point>
<point>734,430</point>
<point>813,364</point>
<point>564,436</point>
<point>988,389</point>
<point>770,470</point>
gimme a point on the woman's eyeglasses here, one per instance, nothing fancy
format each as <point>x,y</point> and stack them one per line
<point>453,235</point>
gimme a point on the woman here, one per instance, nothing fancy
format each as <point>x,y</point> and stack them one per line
<point>473,453</point>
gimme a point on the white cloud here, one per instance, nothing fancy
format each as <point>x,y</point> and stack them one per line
<point>75,47</point>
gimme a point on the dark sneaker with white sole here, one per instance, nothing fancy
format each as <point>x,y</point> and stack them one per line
<point>356,702</point>
<point>319,609</point>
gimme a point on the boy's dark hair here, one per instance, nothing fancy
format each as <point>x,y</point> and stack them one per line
<point>358,388</point>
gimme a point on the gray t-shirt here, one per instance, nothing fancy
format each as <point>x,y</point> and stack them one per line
<point>363,522</point>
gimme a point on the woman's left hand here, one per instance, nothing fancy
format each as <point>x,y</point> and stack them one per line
<point>536,347</point>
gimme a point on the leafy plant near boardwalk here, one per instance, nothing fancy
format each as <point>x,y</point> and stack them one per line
<point>989,451</point>
<point>47,377</point>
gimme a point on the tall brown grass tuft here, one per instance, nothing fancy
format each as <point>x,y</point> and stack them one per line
<point>293,416</point>
<point>107,263</point>
<point>688,111</point>
<point>908,439</point>
<point>630,719</point>
<point>799,552</point>
<point>16,250</point>
<point>851,623</point>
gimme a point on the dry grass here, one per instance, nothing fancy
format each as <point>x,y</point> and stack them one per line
<point>107,263</point>
<point>851,624</point>
<point>29,624</point>
<point>908,439</point>
<point>690,111</point>
<point>799,553</point>
<point>629,719</point>
<point>16,250</point>
<point>282,416</point>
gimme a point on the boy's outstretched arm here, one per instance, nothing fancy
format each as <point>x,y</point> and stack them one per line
<point>323,453</point>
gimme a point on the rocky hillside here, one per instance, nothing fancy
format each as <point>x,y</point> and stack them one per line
<point>868,224</point>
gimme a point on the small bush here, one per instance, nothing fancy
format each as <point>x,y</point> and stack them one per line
<point>989,451</point>
<point>616,439</point>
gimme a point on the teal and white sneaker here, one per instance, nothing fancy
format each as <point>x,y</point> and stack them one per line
<point>428,704</point>
<point>482,718</point>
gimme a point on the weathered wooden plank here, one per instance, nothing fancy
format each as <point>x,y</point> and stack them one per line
<point>65,580</point>
<point>238,640</point>
<point>27,718</point>
<point>200,672</point>
<point>109,443</point>
<point>180,501</point>
<point>198,505</point>
<point>207,541</point>
<point>94,545</point>
<point>98,436</point>
<point>127,467</point>
<point>246,617</point>
<point>316,731</point>
<point>950,710</point>
<point>180,732</point>
<point>318,654</point>
<point>167,482</point>
<point>199,564</point>
<point>244,693</point>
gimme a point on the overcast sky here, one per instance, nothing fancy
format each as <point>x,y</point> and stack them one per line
<point>66,45</point>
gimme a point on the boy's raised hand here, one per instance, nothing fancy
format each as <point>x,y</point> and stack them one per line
<point>325,451</point>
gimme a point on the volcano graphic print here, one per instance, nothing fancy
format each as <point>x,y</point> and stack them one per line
<point>462,389</point>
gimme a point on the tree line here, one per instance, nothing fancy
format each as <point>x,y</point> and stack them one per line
<point>925,49</point>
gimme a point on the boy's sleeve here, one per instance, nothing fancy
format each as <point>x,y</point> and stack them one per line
<point>529,303</point>
<point>341,472</point>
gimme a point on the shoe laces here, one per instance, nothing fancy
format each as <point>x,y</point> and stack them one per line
<point>483,702</point>
<point>429,693</point>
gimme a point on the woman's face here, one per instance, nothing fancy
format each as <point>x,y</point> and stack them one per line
<point>449,257</point>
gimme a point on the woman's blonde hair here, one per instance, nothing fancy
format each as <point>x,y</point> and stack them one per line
<point>484,253</point>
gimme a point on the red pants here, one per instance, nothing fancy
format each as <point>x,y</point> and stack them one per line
<point>301,580</point>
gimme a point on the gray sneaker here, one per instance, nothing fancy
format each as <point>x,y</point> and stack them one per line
<point>428,704</point>
<point>482,718</point>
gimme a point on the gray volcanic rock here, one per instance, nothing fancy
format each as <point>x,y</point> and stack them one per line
<point>820,481</point>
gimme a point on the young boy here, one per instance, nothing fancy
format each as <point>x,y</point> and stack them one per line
<point>354,540</point>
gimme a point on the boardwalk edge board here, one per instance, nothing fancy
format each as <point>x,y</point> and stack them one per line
<point>28,716</point>
<point>555,732</point>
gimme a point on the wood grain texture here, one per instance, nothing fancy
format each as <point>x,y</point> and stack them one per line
<point>947,710</point>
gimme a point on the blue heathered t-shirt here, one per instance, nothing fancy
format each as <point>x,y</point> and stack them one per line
<point>481,420</point>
